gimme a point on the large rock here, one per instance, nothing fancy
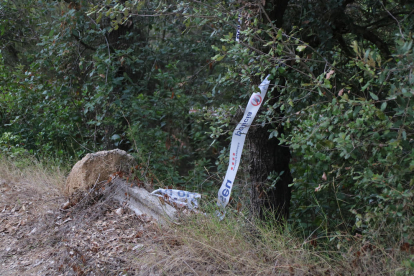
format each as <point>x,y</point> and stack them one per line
<point>96,167</point>
<point>141,201</point>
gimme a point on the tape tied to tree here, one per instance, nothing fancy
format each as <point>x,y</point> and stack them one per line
<point>237,143</point>
<point>238,29</point>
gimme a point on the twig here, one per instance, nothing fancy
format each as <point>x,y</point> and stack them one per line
<point>190,267</point>
<point>398,22</point>
<point>81,145</point>
<point>146,169</point>
<point>56,198</point>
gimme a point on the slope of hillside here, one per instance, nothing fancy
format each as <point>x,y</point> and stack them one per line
<point>98,236</point>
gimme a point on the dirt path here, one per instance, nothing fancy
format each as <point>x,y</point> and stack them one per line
<point>37,238</point>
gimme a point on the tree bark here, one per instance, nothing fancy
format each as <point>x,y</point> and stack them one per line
<point>269,156</point>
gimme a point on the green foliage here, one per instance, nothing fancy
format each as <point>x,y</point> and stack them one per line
<point>10,145</point>
<point>102,78</point>
<point>347,119</point>
<point>166,80</point>
<point>358,151</point>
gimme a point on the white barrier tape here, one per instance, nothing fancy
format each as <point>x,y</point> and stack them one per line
<point>237,143</point>
<point>178,197</point>
<point>238,29</point>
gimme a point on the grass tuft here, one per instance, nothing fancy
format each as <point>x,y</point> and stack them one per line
<point>203,245</point>
<point>45,176</point>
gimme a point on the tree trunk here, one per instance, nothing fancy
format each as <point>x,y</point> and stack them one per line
<point>267,156</point>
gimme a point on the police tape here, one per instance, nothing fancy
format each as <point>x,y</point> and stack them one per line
<point>237,143</point>
<point>238,29</point>
<point>178,197</point>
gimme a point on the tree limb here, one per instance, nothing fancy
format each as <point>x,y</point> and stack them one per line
<point>373,38</point>
<point>386,18</point>
<point>83,43</point>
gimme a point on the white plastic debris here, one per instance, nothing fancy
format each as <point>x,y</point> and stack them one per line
<point>178,197</point>
<point>237,143</point>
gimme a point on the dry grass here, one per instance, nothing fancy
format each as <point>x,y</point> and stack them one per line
<point>30,195</point>
<point>44,177</point>
<point>199,245</point>
<point>203,245</point>
<point>34,181</point>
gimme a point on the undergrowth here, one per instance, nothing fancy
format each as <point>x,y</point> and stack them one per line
<point>45,175</point>
<point>201,244</point>
<point>240,246</point>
